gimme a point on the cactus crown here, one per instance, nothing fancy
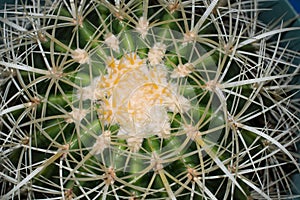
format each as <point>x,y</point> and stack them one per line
<point>146,100</point>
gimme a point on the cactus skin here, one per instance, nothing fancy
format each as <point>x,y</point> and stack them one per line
<point>146,100</point>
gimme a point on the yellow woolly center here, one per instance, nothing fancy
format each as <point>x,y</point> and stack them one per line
<point>132,90</point>
<point>138,97</point>
<point>146,97</point>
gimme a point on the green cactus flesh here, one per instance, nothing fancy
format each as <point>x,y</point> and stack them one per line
<point>146,100</point>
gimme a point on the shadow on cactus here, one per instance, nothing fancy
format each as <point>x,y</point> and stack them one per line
<point>146,100</point>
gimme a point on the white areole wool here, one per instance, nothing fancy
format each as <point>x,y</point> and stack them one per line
<point>137,96</point>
